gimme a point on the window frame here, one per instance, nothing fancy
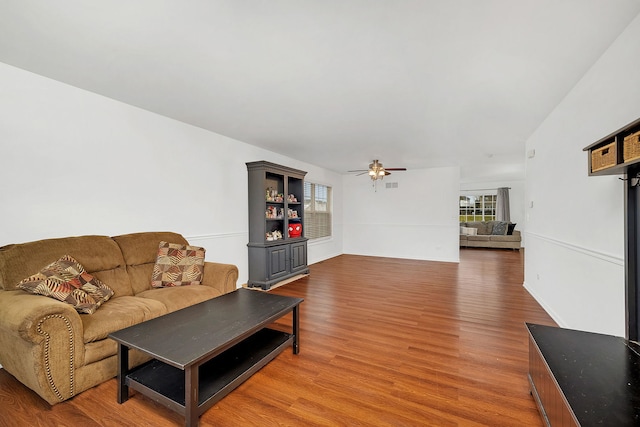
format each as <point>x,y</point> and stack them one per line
<point>313,226</point>
<point>482,208</point>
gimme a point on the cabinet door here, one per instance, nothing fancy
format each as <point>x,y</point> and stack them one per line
<point>298,256</point>
<point>277,261</point>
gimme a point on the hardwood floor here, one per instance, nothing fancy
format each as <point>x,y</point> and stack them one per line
<point>384,342</point>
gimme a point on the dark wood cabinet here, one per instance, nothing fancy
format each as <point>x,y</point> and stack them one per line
<point>584,379</point>
<point>298,256</point>
<point>276,206</point>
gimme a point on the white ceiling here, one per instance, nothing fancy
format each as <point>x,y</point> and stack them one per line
<point>335,83</point>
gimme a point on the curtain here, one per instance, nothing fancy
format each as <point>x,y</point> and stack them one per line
<point>503,212</point>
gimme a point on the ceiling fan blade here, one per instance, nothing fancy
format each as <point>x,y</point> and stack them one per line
<point>386,172</point>
<point>359,170</point>
<point>395,169</point>
<point>362,173</point>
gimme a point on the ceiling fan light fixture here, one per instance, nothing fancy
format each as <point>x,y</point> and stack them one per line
<point>377,171</point>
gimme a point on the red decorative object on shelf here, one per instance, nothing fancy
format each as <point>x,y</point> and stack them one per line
<point>295,229</point>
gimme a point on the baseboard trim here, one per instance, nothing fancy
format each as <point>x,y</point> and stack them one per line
<point>556,318</point>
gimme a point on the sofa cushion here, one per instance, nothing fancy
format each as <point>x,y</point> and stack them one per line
<point>142,248</point>
<point>479,238</point>
<point>510,228</point>
<point>67,280</point>
<point>482,226</point>
<point>178,265</point>
<point>140,251</point>
<point>119,313</point>
<point>95,253</point>
<point>507,238</point>
<point>178,297</point>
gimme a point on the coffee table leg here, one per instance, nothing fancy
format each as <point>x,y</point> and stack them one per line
<point>296,330</point>
<point>191,396</point>
<point>123,368</point>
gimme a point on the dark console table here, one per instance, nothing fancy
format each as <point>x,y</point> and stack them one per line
<point>584,379</point>
<point>201,353</point>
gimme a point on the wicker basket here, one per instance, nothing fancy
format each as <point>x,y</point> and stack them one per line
<point>603,157</point>
<point>631,145</point>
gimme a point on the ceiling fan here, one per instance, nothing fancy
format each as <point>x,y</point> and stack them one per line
<point>377,171</point>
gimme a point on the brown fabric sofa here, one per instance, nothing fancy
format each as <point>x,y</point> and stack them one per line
<point>58,353</point>
<point>486,239</point>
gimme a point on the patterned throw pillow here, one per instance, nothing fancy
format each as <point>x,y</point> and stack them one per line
<point>66,280</point>
<point>500,228</point>
<point>178,265</point>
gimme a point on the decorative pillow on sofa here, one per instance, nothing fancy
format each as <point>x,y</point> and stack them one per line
<point>511,227</point>
<point>178,265</point>
<point>468,231</point>
<point>500,228</point>
<point>66,280</point>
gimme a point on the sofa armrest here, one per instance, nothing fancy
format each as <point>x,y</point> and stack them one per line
<point>22,314</point>
<point>223,277</point>
<point>41,343</point>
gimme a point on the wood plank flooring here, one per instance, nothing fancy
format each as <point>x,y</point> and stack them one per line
<point>384,342</point>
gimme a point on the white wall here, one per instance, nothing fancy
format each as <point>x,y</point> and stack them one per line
<point>73,163</point>
<point>417,220</point>
<point>516,198</point>
<point>574,262</point>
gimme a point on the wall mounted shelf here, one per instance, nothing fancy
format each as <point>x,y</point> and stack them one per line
<point>615,153</point>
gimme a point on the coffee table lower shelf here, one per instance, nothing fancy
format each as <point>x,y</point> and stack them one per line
<point>217,377</point>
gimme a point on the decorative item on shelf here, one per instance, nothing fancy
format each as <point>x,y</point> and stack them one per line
<point>274,213</point>
<point>295,229</point>
<point>272,195</point>
<point>291,213</point>
<point>292,198</point>
<point>274,235</point>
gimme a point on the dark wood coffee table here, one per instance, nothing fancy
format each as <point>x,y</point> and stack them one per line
<point>201,353</point>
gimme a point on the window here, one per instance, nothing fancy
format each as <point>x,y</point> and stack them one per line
<point>478,208</point>
<point>317,211</point>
